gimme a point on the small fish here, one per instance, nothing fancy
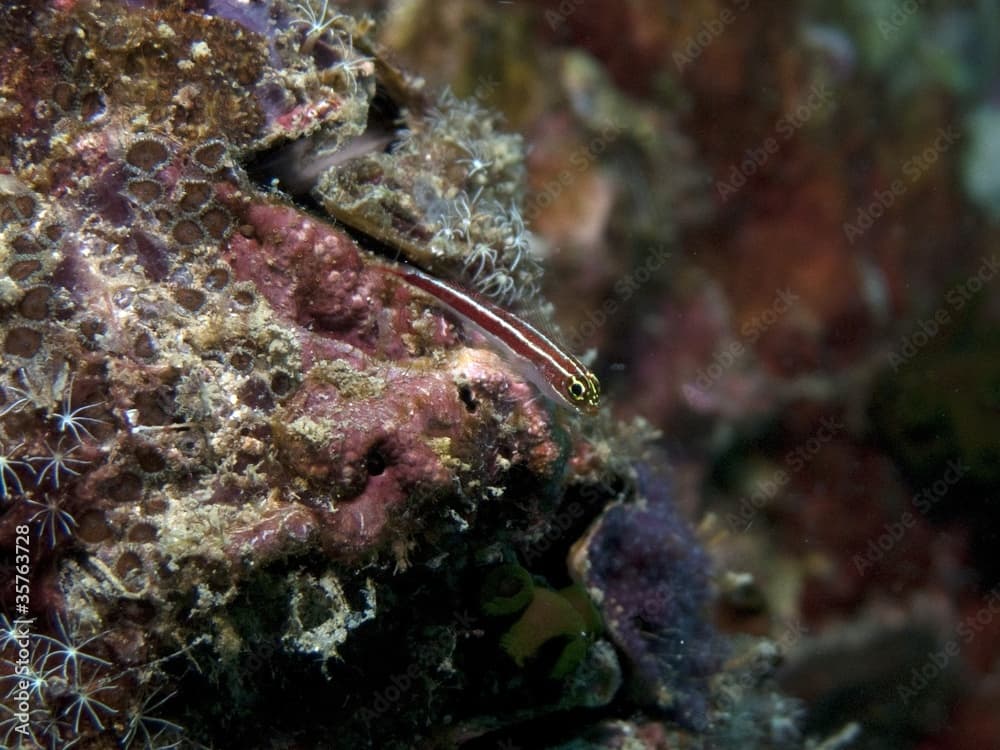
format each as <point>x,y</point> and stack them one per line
<point>553,370</point>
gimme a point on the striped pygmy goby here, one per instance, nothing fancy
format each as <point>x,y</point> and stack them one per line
<point>562,376</point>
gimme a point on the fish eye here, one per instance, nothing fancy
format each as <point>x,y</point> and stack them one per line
<point>576,389</point>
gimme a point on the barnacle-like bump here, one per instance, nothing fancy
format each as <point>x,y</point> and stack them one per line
<point>25,205</point>
<point>244,295</point>
<point>53,232</point>
<point>128,562</point>
<point>241,360</point>
<point>22,341</point>
<point>144,190</point>
<point>187,232</point>
<point>63,94</point>
<point>190,299</point>
<point>147,153</point>
<point>217,279</point>
<point>22,269</point>
<point>125,488</point>
<point>34,305</point>
<point>209,155</point>
<point>73,44</point>
<point>93,526</point>
<point>116,36</point>
<point>217,222</point>
<point>25,244</point>
<point>193,194</point>
<point>142,533</point>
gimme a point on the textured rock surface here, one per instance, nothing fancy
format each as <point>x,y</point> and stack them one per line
<point>200,381</point>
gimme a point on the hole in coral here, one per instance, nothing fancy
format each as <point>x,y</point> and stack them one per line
<point>375,462</point>
<point>92,105</point>
<point>140,612</point>
<point>149,459</point>
<point>189,444</point>
<point>465,394</point>
<point>281,383</point>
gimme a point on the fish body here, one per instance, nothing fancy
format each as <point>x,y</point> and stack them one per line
<point>556,372</point>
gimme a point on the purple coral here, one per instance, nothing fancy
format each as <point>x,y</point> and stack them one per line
<point>652,576</point>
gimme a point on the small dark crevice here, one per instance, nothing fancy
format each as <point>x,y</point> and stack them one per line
<point>375,462</point>
<point>465,394</point>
